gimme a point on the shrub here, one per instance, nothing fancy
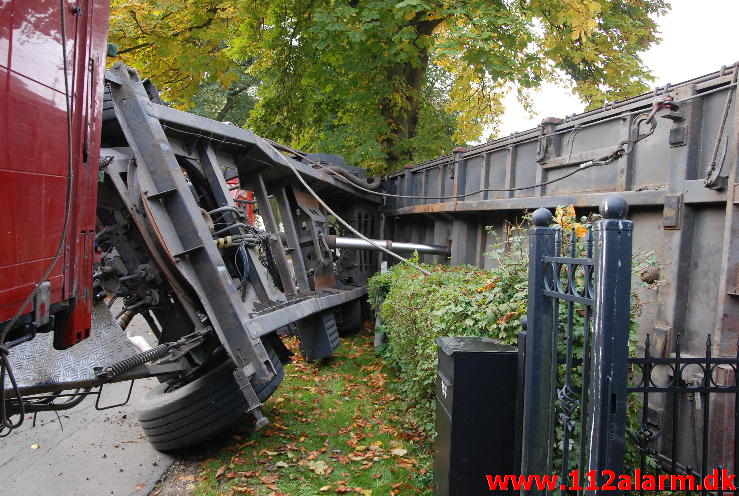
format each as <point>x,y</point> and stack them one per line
<point>453,301</point>
<point>415,309</point>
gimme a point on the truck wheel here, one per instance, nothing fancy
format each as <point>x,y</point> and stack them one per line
<point>199,410</point>
<point>108,110</point>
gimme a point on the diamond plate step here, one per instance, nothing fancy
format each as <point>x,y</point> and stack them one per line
<point>38,367</point>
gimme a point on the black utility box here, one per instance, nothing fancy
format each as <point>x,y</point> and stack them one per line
<point>476,402</point>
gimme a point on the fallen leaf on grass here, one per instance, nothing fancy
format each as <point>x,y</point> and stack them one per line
<point>399,451</point>
<point>220,471</point>
<point>270,479</point>
<point>243,490</point>
<point>320,467</point>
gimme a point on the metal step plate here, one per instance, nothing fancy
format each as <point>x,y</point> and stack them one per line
<point>38,367</point>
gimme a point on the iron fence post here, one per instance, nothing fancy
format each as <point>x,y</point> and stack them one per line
<point>606,420</point>
<point>521,387</point>
<point>537,406</point>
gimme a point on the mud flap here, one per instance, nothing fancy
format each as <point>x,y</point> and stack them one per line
<point>318,336</point>
<point>350,316</point>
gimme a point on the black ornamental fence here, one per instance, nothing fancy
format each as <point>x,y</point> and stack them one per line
<point>590,413</point>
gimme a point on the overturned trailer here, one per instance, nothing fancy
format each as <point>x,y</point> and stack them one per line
<point>177,249</point>
<point>217,290</point>
<point>672,155</point>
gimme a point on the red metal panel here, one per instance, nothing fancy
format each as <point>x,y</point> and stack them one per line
<point>15,285</point>
<point>5,21</point>
<point>91,35</point>
<point>31,222</point>
<point>241,194</point>
<point>35,126</point>
<point>36,42</point>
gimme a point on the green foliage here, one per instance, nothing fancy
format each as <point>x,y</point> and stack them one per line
<point>386,82</point>
<point>177,44</point>
<point>233,104</point>
<point>468,301</point>
<point>452,301</point>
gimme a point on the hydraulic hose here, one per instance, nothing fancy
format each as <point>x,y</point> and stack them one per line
<point>373,184</point>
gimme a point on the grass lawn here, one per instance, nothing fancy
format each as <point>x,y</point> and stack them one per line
<point>335,429</point>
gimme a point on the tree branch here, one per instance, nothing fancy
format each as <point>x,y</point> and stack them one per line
<point>136,20</point>
<point>230,103</point>
<point>134,48</point>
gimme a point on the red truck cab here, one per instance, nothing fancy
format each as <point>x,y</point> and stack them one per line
<point>35,154</point>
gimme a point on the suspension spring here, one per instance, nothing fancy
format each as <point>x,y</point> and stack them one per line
<point>134,361</point>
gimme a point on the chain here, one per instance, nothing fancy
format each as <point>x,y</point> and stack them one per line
<point>636,134</point>
<point>624,148</point>
<point>712,175</point>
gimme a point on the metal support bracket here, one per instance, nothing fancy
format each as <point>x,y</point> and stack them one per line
<point>254,405</point>
<point>671,213</point>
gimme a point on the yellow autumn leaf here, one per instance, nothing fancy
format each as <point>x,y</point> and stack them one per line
<point>581,231</point>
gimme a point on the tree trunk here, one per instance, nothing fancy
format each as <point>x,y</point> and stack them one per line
<point>403,122</point>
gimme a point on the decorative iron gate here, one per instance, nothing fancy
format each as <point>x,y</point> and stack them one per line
<point>695,384</point>
<point>577,368</point>
<point>592,290</point>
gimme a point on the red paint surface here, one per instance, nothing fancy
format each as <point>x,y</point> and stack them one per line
<point>33,151</point>
<point>241,194</point>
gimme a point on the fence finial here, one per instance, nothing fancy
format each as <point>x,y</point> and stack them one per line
<point>542,217</point>
<point>613,207</point>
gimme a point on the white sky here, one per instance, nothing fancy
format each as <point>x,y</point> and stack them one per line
<point>698,37</point>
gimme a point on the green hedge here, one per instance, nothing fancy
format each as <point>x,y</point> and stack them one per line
<point>415,309</point>
<point>453,301</point>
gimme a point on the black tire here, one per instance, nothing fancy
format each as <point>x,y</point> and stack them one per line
<point>108,110</point>
<point>199,410</point>
<point>326,159</point>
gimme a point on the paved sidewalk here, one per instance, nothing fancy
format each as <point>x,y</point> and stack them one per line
<point>98,453</point>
